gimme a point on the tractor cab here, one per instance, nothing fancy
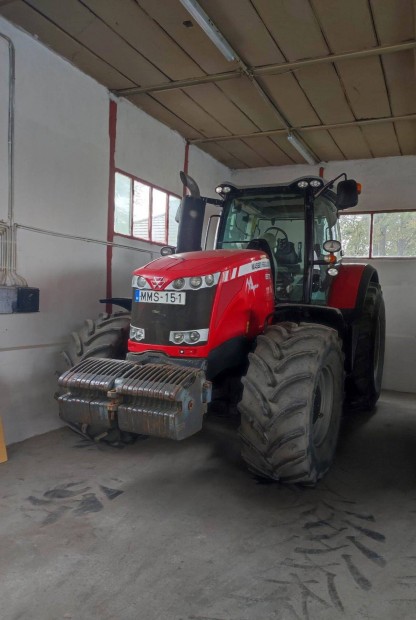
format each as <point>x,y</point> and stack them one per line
<point>273,219</point>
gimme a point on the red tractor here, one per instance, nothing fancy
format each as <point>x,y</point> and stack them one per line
<point>271,320</point>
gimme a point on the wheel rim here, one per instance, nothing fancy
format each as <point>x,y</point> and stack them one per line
<point>376,358</point>
<point>322,406</point>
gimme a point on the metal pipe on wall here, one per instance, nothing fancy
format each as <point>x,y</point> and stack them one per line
<point>53,233</point>
<point>8,253</point>
<point>10,129</point>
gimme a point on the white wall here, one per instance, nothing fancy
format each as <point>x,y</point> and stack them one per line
<point>388,183</point>
<point>61,181</point>
<point>154,153</point>
<point>206,171</point>
<point>398,279</point>
<point>61,187</point>
<point>150,151</point>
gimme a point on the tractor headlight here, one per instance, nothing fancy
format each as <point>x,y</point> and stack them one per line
<point>178,283</point>
<point>191,337</point>
<point>209,280</point>
<point>303,184</point>
<point>140,282</point>
<point>332,271</point>
<point>195,282</point>
<point>315,183</point>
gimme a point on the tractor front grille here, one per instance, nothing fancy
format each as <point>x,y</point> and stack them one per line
<point>158,320</point>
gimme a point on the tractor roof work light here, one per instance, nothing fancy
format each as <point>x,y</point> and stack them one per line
<point>224,189</point>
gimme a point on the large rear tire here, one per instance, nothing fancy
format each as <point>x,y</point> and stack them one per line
<point>292,402</point>
<point>103,337</point>
<point>364,384</point>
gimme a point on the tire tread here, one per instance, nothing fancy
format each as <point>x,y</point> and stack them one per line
<point>275,413</point>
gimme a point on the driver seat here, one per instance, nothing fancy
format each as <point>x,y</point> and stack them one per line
<point>286,253</point>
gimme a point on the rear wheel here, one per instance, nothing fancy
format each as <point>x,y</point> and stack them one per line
<point>364,384</point>
<point>103,337</point>
<point>292,402</point>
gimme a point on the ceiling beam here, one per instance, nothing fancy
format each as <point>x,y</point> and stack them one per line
<point>277,132</point>
<point>205,79</point>
<point>307,62</point>
<point>269,69</point>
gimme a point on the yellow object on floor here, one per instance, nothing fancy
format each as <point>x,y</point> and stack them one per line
<point>3,451</point>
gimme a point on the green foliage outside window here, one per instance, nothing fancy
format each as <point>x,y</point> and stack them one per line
<point>393,234</point>
<point>355,234</point>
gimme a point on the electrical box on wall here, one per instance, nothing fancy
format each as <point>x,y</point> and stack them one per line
<point>18,299</point>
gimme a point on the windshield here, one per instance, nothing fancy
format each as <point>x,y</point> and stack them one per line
<point>279,220</point>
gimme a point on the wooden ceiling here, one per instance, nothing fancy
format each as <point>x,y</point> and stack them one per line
<point>242,118</point>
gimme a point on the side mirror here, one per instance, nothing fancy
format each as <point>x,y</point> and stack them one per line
<point>347,194</point>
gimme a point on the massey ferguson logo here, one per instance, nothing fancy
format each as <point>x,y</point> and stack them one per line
<point>250,286</point>
<point>158,282</point>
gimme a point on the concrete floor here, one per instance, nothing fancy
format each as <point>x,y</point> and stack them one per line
<point>170,531</point>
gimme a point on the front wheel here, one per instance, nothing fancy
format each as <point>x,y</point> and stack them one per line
<point>292,402</point>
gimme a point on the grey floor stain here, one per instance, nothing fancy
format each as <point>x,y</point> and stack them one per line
<point>369,533</point>
<point>358,577</point>
<point>368,553</point>
<point>110,493</point>
<point>333,544</point>
<point>53,517</point>
<point>35,501</point>
<point>89,503</point>
<point>63,492</point>
<point>78,501</point>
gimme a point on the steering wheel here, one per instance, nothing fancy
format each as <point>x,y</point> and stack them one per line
<point>278,230</point>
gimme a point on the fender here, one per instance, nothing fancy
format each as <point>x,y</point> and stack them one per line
<point>309,313</point>
<point>349,289</point>
<point>348,294</point>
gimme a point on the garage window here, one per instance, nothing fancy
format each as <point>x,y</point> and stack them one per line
<point>382,234</point>
<point>144,211</point>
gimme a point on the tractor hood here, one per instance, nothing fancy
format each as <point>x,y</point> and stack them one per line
<point>191,303</point>
<point>191,264</point>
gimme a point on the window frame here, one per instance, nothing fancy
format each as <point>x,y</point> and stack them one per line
<point>152,186</point>
<point>370,249</point>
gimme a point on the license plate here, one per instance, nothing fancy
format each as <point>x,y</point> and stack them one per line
<point>160,297</point>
